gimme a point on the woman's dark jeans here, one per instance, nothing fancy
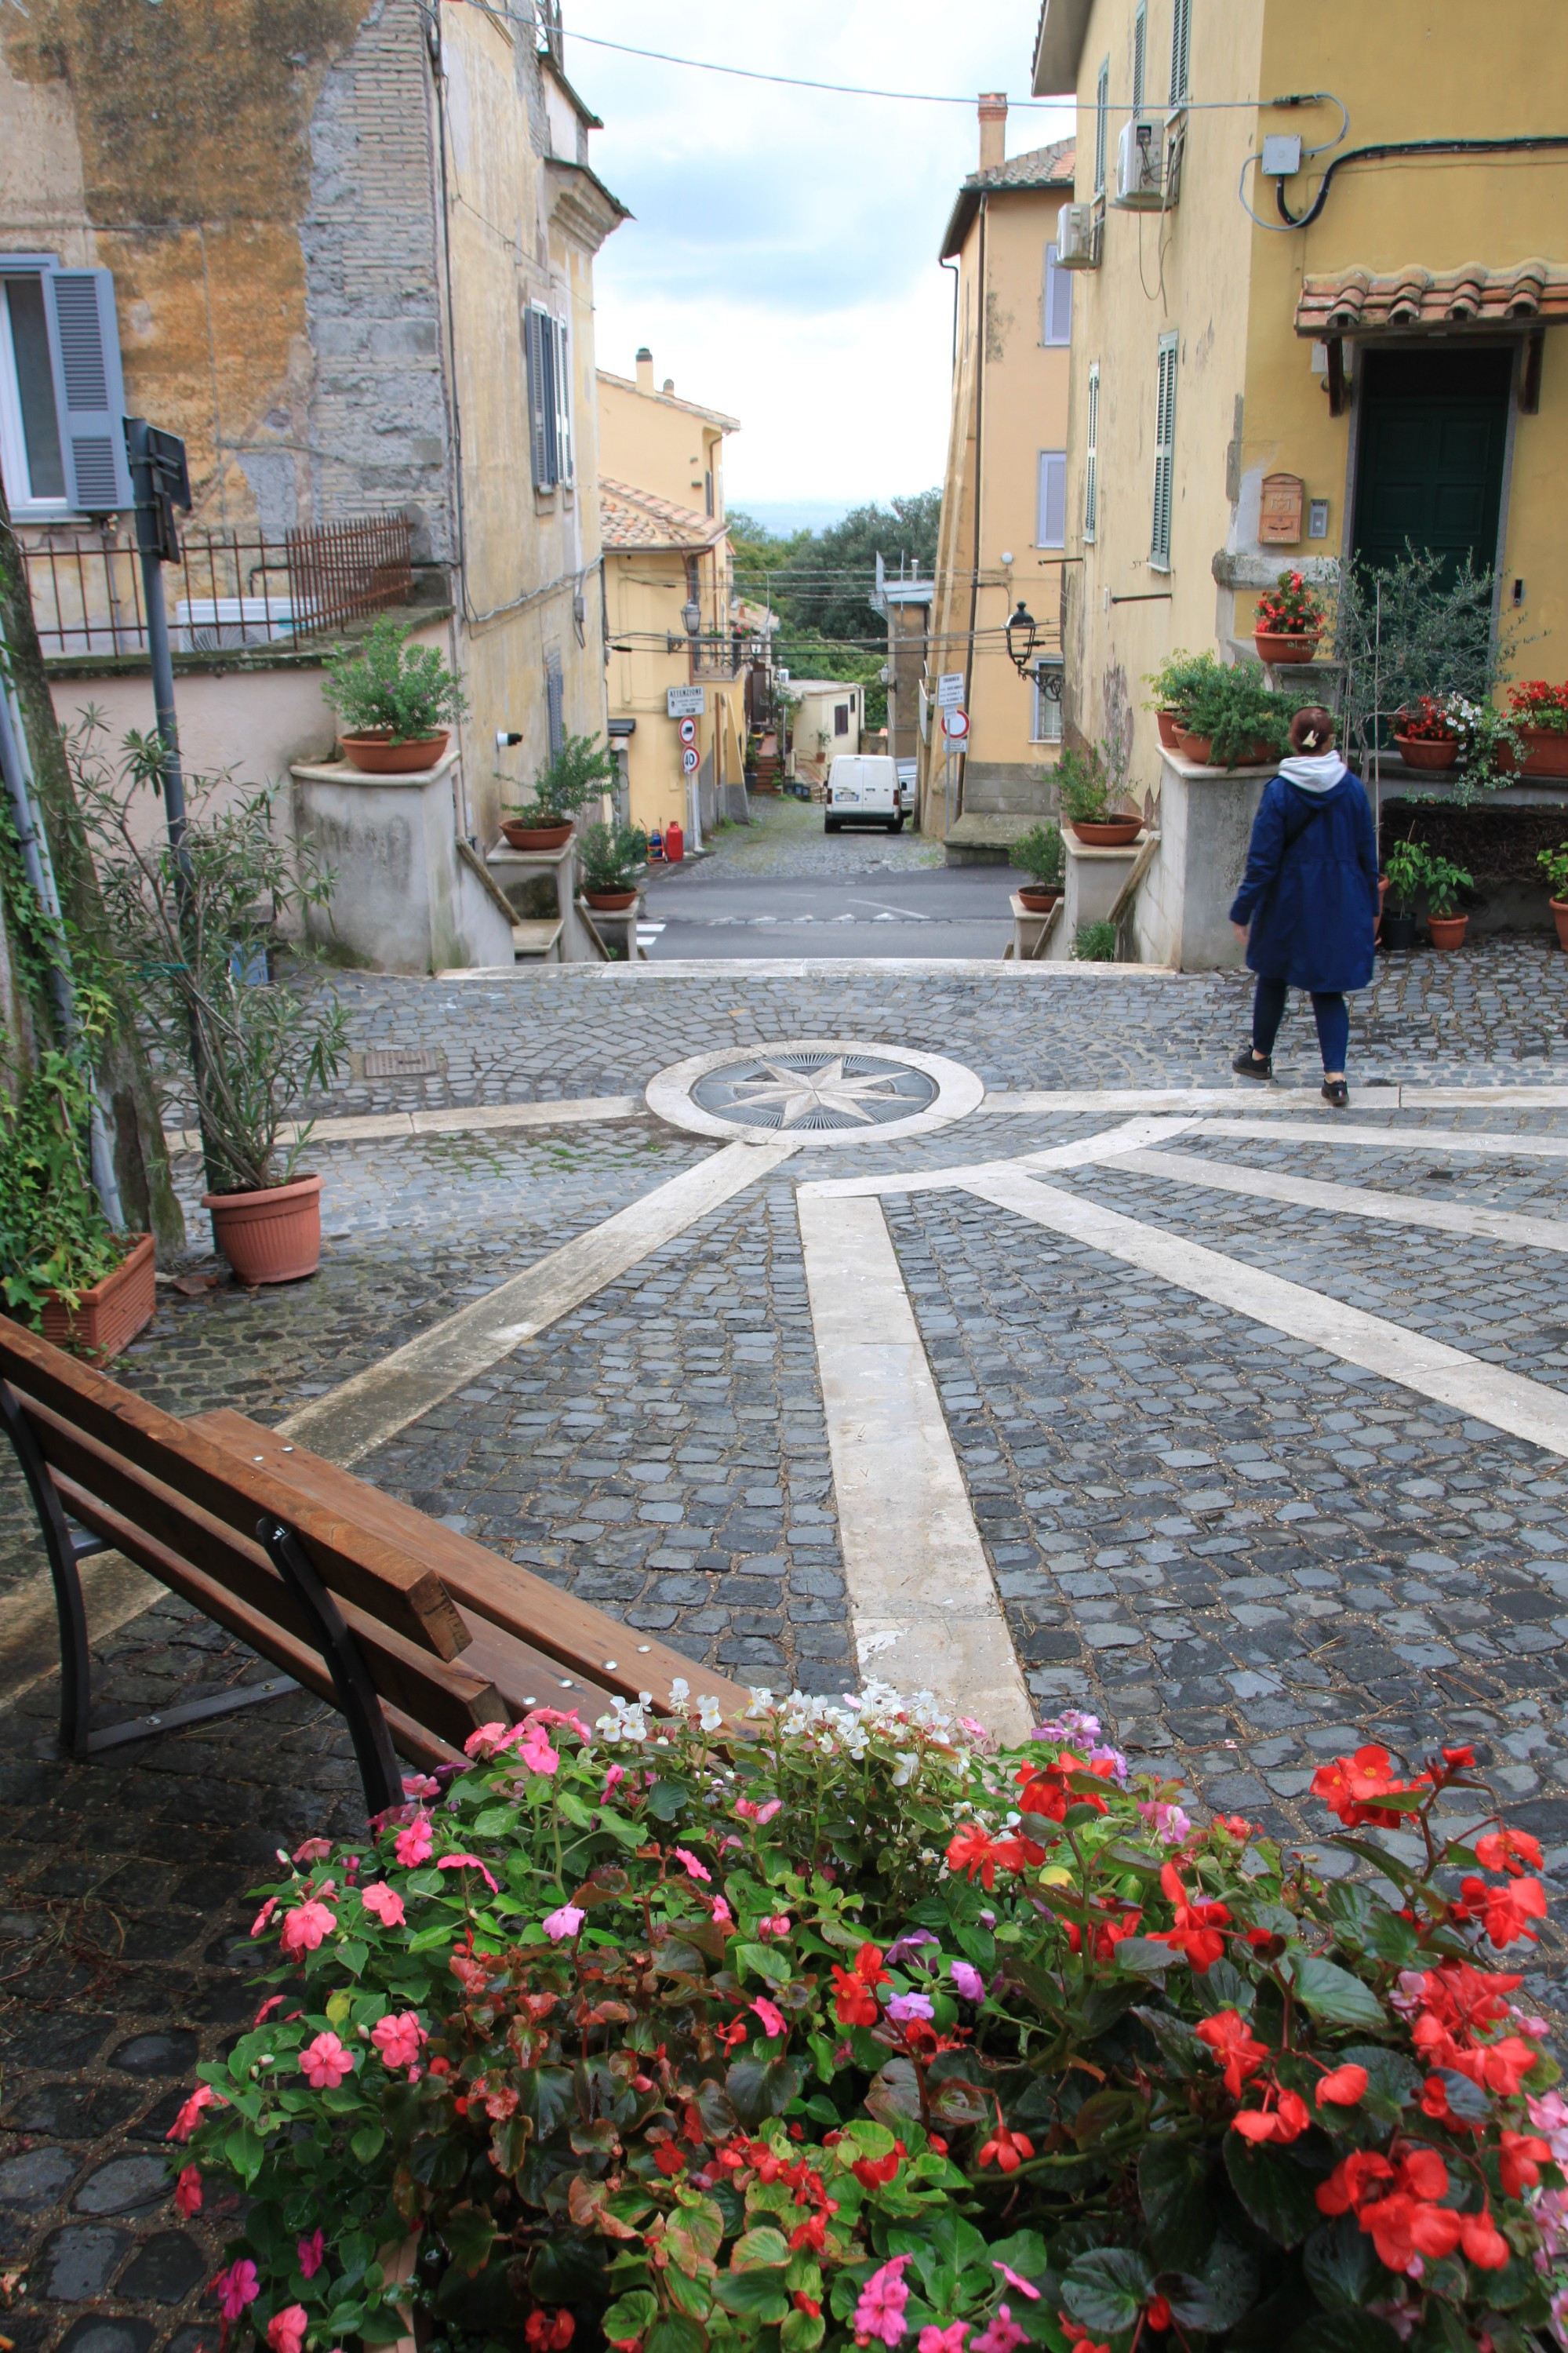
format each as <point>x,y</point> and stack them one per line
<point>1330,1012</point>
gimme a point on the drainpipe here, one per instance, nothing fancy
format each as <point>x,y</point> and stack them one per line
<point>981,325</point>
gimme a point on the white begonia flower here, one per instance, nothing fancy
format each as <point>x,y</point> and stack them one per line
<point>680,1691</point>
<point>712,1713</point>
<point>904,1768</point>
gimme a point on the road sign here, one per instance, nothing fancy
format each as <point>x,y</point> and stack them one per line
<point>955,725</point>
<point>689,758</point>
<point>949,689</point>
<point>688,730</point>
<point>687,702</point>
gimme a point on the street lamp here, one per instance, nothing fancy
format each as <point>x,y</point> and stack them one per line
<point>1022,632</point>
<point>691,617</point>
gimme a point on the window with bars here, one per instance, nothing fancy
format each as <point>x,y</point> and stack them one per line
<point>1102,125</point>
<point>1092,456</point>
<point>1140,53</point>
<point>1180,49</point>
<point>1057,301</point>
<point>1164,452</point>
<point>1046,725</point>
<point>547,352</point>
<point>1051,514</point>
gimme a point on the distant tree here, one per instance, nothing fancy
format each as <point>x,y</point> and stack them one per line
<point>820,581</point>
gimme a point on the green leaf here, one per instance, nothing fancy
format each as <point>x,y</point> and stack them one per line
<point>802,2332</point>
<point>1333,1995</point>
<point>1216,2296</point>
<point>1508,2287</point>
<point>495,1822</point>
<point>470,2233</point>
<point>574,1810</point>
<point>1344,2332</point>
<point>631,2315</point>
<point>1183,2053</point>
<point>366,2144</point>
<point>676,2334</point>
<point>353,1954</point>
<point>1140,1956</point>
<point>247,2152</point>
<point>1389,2072</point>
<point>545,2094</point>
<point>1173,2187</point>
<point>1340,2263</point>
<point>755,2295</point>
<point>764,2087</point>
<point>1108,2289</point>
<point>701,2222</point>
<point>666,1801</point>
<point>759,2250</point>
<point>764,1960</point>
<point>1275,2189</point>
<point>689,2292</point>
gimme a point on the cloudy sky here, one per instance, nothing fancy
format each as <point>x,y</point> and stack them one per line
<point>782,263</point>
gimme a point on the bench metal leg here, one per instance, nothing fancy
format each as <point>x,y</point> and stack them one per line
<point>64,1551</point>
<point>356,1697</point>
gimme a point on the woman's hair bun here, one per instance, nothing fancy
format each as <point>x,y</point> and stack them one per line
<point>1312,729</point>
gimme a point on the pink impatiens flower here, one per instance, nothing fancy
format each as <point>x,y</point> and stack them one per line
<point>1167,1823</point>
<point>420,1785</point>
<point>1024,2288</point>
<point>306,1926</point>
<point>1002,2334</point>
<point>258,1925</point>
<point>312,2253</point>
<point>187,2191</point>
<point>906,2006</point>
<point>967,1980</point>
<point>385,1902</point>
<point>398,2038</point>
<point>324,2062</point>
<point>943,2340</point>
<point>485,1741</point>
<point>186,2123</point>
<point>778,1926</point>
<point>750,1811</point>
<point>697,1870</point>
<point>468,1863</point>
<point>880,2312</point>
<point>612,1781</point>
<point>563,1923</point>
<point>771,2016</point>
<point>236,2287</point>
<point>534,1750</point>
<point>722,1917</point>
<point>414,1843</point>
<point>286,2329</point>
<point>314,1849</point>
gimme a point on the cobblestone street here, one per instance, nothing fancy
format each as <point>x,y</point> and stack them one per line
<point>1201,1496</point>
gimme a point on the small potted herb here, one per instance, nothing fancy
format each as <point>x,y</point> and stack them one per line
<point>1444,881</point>
<point>1087,791</point>
<point>1540,712</point>
<point>1180,678</point>
<point>1289,621</point>
<point>1425,733</point>
<point>1553,864</point>
<point>1041,854</point>
<point>395,702</point>
<point>577,774</point>
<point>1404,869</point>
<point>613,859</point>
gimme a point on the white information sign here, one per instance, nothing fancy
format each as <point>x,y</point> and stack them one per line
<point>955,725</point>
<point>949,689</point>
<point>687,702</point>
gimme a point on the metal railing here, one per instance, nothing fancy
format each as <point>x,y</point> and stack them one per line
<point>229,590</point>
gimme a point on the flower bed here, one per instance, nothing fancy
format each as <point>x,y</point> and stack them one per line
<point>866,2031</point>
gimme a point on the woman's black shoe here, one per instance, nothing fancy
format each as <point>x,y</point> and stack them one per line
<point>1336,1092</point>
<point>1247,1065</point>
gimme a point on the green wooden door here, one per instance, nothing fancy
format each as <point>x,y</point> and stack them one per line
<point>1433,433</point>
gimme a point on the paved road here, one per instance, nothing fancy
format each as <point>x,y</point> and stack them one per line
<point>714,910</point>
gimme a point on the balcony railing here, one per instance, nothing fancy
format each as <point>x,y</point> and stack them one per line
<point>227,591</point>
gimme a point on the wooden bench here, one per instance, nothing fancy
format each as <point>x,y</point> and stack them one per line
<point>417,1635</point>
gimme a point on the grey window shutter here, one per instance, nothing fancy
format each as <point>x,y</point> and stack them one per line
<point>554,708</point>
<point>561,360</point>
<point>1164,453</point>
<point>1051,521</point>
<point>541,418</point>
<point>84,336</point>
<point>1140,54</point>
<point>1102,125</point>
<point>1180,49</point>
<point>1091,457</point>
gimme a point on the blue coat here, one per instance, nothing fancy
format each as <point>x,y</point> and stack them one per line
<point>1310,887</point>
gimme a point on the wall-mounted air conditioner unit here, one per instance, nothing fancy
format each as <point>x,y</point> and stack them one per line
<point>1077,246</point>
<point>1141,166</point>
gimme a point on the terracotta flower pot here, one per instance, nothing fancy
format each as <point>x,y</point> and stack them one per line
<point>1110,833</point>
<point>1447,931</point>
<point>612,903</point>
<point>1171,726</point>
<point>1417,751</point>
<point>536,837</point>
<point>1545,752</point>
<point>1197,748</point>
<point>1038,898</point>
<point>273,1236</point>
<point>1285,645</point>
<point>1560,917</point>
<point>375,753</point>
<point>112,1312</point>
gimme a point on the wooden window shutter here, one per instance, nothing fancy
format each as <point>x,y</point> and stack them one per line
<point>1180,49</point>
<point>1140,53</point>
<point>84,339</point>
<point>1164,452</point>
<point>536,326</point>
<point>1092,456</point>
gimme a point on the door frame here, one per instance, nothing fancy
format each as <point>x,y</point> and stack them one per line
<point>1515,345</point>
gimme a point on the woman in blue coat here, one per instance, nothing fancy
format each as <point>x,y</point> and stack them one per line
<point>1308,904</point>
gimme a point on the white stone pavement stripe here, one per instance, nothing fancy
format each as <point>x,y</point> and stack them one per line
<point>1399,1097</point>
<point>923,1603</point>
<point>1344,1200</point>
<point>1525,1409</point>
<point>1082,1149</point>
<point>728,968</point>
<point>113,1591</point>
<point>1396,1139</point>
<point>450,1119</point>
<point>363,1413</point>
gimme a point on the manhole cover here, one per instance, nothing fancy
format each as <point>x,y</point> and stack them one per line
<point>826,1089</point>
<point>404,1062</point>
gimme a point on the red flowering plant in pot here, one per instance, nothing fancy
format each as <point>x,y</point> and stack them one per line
<point>859,2029</point>
<point>1540,714</point>
<point>1426,732</point>
<point>1289,622</point>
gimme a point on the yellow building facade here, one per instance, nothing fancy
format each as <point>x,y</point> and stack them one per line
<point>1002,537</point>
<point>675,647</point>
<point>1289,354</point>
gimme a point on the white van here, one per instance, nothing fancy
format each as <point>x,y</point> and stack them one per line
<point>862,789</point>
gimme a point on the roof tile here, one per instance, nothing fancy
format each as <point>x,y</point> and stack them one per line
<point>633,518</point>
<point>1358,302</point>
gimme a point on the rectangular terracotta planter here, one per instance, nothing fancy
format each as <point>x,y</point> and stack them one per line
<point>112,1313</point>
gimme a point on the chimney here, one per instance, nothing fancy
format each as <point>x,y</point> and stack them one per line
<point>993,128</point>
<point>645,370</point>
<point>669,384</point>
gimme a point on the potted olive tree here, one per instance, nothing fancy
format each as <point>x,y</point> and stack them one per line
<point>395,702</point>
<point>196,924</point>
<point>613,859</point>
<point>577,774</point>
<point>1041,854</point>
<point>1235,721</point>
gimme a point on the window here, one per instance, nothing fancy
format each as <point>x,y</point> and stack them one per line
<point>1046,725</point>
<point>1164,452</point>
<point>1140,53</point>
<point>1051,515</point>
<point>547,353</point>
<point>708,489</point>
<point>1056,307</point>
<point>1181,48</point>
<point>62,403</point>
<point>1092,456</point>
<point>841,719</point>
<point>1102,124</point>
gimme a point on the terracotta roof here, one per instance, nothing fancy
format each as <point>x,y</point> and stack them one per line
<point>1357,302</point>
<point>633,518</point>
<point>1041,167</point>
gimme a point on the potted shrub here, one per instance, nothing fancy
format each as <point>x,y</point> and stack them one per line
<point>1553,863</point>
<point>63,1269</point>
<point>1236,722</point>
<point>1041,854</point>
<point>862,2028</point>
<point>1174,684</point>
<point>1404,869</point>
<point>1444,881</point>
<point>1540,712</point>
<point>1289,621</point>
<point>394,701</point>
<point>577,774</point>
<point>1425,735</point>
<point>1087,791</point>
<point>614,858</point>
<point>195,926</point>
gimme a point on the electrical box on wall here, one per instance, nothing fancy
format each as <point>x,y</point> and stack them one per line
<point>1075,240</point>
<point>1282,154</point>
